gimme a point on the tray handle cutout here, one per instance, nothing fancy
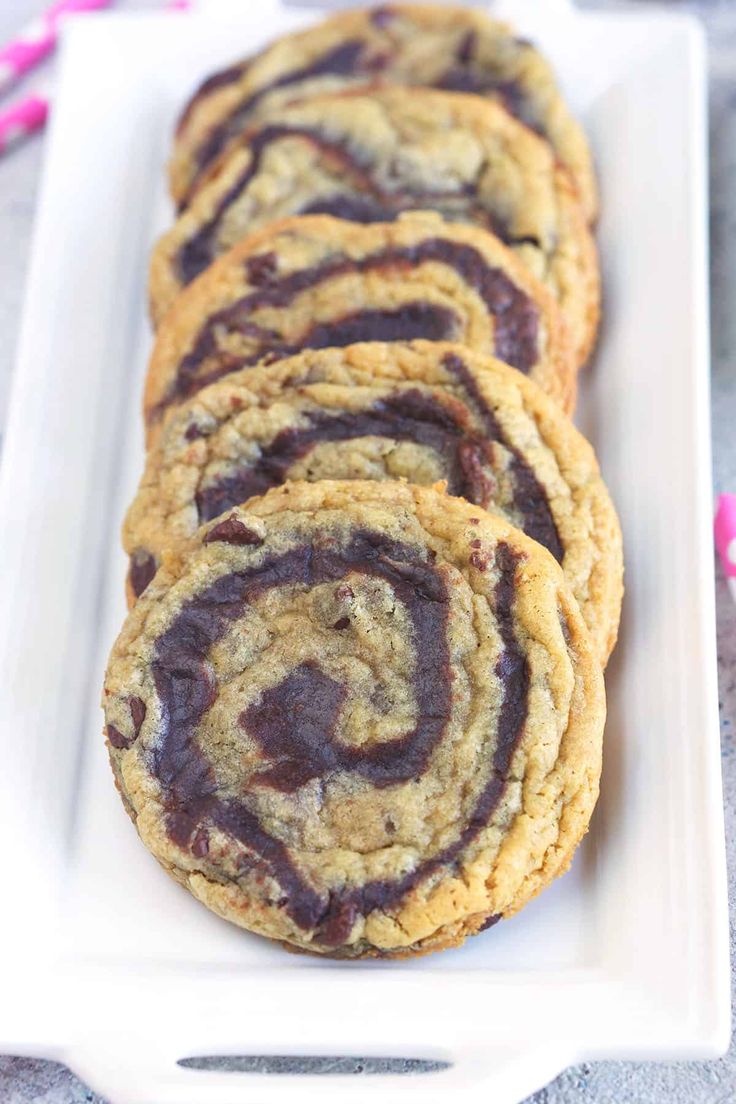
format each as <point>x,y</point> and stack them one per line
<point>313,1065</point>
<point>144,1071</point>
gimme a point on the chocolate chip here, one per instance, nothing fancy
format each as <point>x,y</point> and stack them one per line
<point>339,923</point>
<point>343,623</point>
<point>117,739</point>
<point>477,487</point>
<point>376,63</point>
<point>138,713</point>
<point>201,843</point>
<point>480,560</point>
<point>261,269</point>
<point>142,570</point>
<point>493,919</point>
<point>381,17</point>
<point>180,826</point>
<point>232,531</point>
<point>193,432</point>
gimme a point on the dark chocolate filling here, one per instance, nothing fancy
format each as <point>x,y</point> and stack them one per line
<point>368,202</point>
<point>410,321</point>
<point>343,60</point>
<point>464,79</point>
<point>351,208</point>
<point>516,316</point>
<point>407,416</point>
<point>186,686</point>
<point>530,497</point>
<point>294,722</point>
<point>358,64</point>
<point>201,249</point>
<point>218,80</point>
<point>453,206</point>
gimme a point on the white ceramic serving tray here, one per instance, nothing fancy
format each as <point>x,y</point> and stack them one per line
<point>109,966</point>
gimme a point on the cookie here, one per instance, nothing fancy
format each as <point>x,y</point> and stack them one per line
<point>359,718</point>
<point>424,412</point>
<point>442,47</point>
<point>368,157</point>
<point>317,281</point>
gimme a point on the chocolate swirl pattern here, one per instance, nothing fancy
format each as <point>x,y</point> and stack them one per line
<point>357,704</point>
<point>369,157</point>
<point>317,281</point>
<point>331,729</point>
<point>441,47</point>
<point>424,411</point>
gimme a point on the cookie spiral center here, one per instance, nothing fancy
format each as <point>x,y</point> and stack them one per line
<point>294,722</point>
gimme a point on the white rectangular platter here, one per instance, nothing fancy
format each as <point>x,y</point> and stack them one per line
<point>109,966</point>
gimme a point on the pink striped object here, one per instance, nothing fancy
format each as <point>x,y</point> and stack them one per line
<point>38,39</point>
<point>725,533</point>
<point>22,119</point>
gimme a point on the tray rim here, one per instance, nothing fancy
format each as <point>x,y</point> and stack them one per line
<point>706,1039</point>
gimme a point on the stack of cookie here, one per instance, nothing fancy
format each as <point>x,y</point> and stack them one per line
<point>375,575</point>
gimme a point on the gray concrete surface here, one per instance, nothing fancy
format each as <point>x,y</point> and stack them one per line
<point>25,1081</point>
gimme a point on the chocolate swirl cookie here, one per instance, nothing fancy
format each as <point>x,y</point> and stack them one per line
<point>317,281</point>
<point>441,47</point>
<point>359,718</point>
<point>367,158</point>
<point>425,412</point>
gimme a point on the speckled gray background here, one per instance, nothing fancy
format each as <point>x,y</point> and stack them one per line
<point>25,1081</point>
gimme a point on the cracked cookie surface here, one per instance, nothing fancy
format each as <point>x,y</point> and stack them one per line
<point>367,158</point>
<point>435,46</point>
<point>423,412</point>
<point>359,718</point>
<point>317,281</point>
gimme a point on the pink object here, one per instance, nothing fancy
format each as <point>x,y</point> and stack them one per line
<point>22,119</point>
<point>28,116</point>
<point>38,39</point>
<point>725,533</point>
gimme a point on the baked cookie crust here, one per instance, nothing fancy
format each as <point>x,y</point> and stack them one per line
<point>363,719</point>
<point>367,157</point>
<point>422,412</point>
<point>318,281</point>
<point>445,47</point>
